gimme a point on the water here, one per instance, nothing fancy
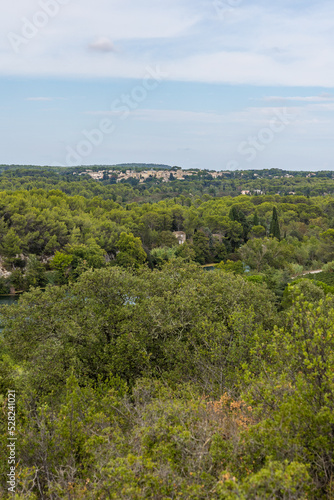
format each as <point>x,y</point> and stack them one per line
<point>208,268</point>
<point>8,299</point>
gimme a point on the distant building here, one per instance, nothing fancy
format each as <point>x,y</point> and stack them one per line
<point>143,175</point>
<point>181,236</point>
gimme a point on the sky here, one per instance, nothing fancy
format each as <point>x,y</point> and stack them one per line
<point>214,84</point>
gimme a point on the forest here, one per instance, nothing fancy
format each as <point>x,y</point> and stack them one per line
<point>148,369</point>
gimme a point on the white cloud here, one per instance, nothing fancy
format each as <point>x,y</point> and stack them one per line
<point>257,44</point>
<point>252,117</point>
<point>39,99</point>
<point>316,98</point>
<point>165,115</point>
<point>102,44</point>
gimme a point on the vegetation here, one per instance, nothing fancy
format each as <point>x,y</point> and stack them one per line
<point>140,374</point>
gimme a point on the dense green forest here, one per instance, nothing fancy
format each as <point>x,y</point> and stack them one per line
<point>139,372</point>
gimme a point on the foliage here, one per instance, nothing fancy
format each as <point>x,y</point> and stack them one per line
<point>161,255</point>
<point>302,287</point>
<point>141,375</point>
<point>131,253</point>
<point>274,230</point>
<point>230,266</point>
<point>324,277</point>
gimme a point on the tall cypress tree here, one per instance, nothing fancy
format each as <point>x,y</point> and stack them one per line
<point>234,215</point>
<point>274,226</point>
<point>237,215</point>
<point>256,219</point>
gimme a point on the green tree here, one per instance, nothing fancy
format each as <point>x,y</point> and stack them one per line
<point>230,266</point>
<point>52,245</point>
<point>259,253</point>
<point>11,246</point>
<point>201,246</point>
<point>131,252</point>
<point>161,255</point>
<point>274,230</point>
<point>167,239</point>
<point>35,272</point>
<point>276,480</point>
<point>257,232</point>
<point>61,263</point>
<point>90,254</point>
<point>237,215</point>
<point>292,389</point>
<point>186,252</point>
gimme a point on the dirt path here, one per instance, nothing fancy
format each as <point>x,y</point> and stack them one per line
<point>307,272</point>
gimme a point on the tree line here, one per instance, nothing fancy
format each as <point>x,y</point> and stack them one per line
<point>48,236</point>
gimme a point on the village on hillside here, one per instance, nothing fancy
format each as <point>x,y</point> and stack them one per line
<point>142,176</point>
<point>176,173</point>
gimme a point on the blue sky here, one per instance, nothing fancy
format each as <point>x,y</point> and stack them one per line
<point>217,84</point>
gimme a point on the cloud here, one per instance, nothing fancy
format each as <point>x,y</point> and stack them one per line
<point>250,117</point>
<point>165,115</point>
<point>318,98</point>
<point>256,44</point>
<point>39,99</point>
<point>102,44</point>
